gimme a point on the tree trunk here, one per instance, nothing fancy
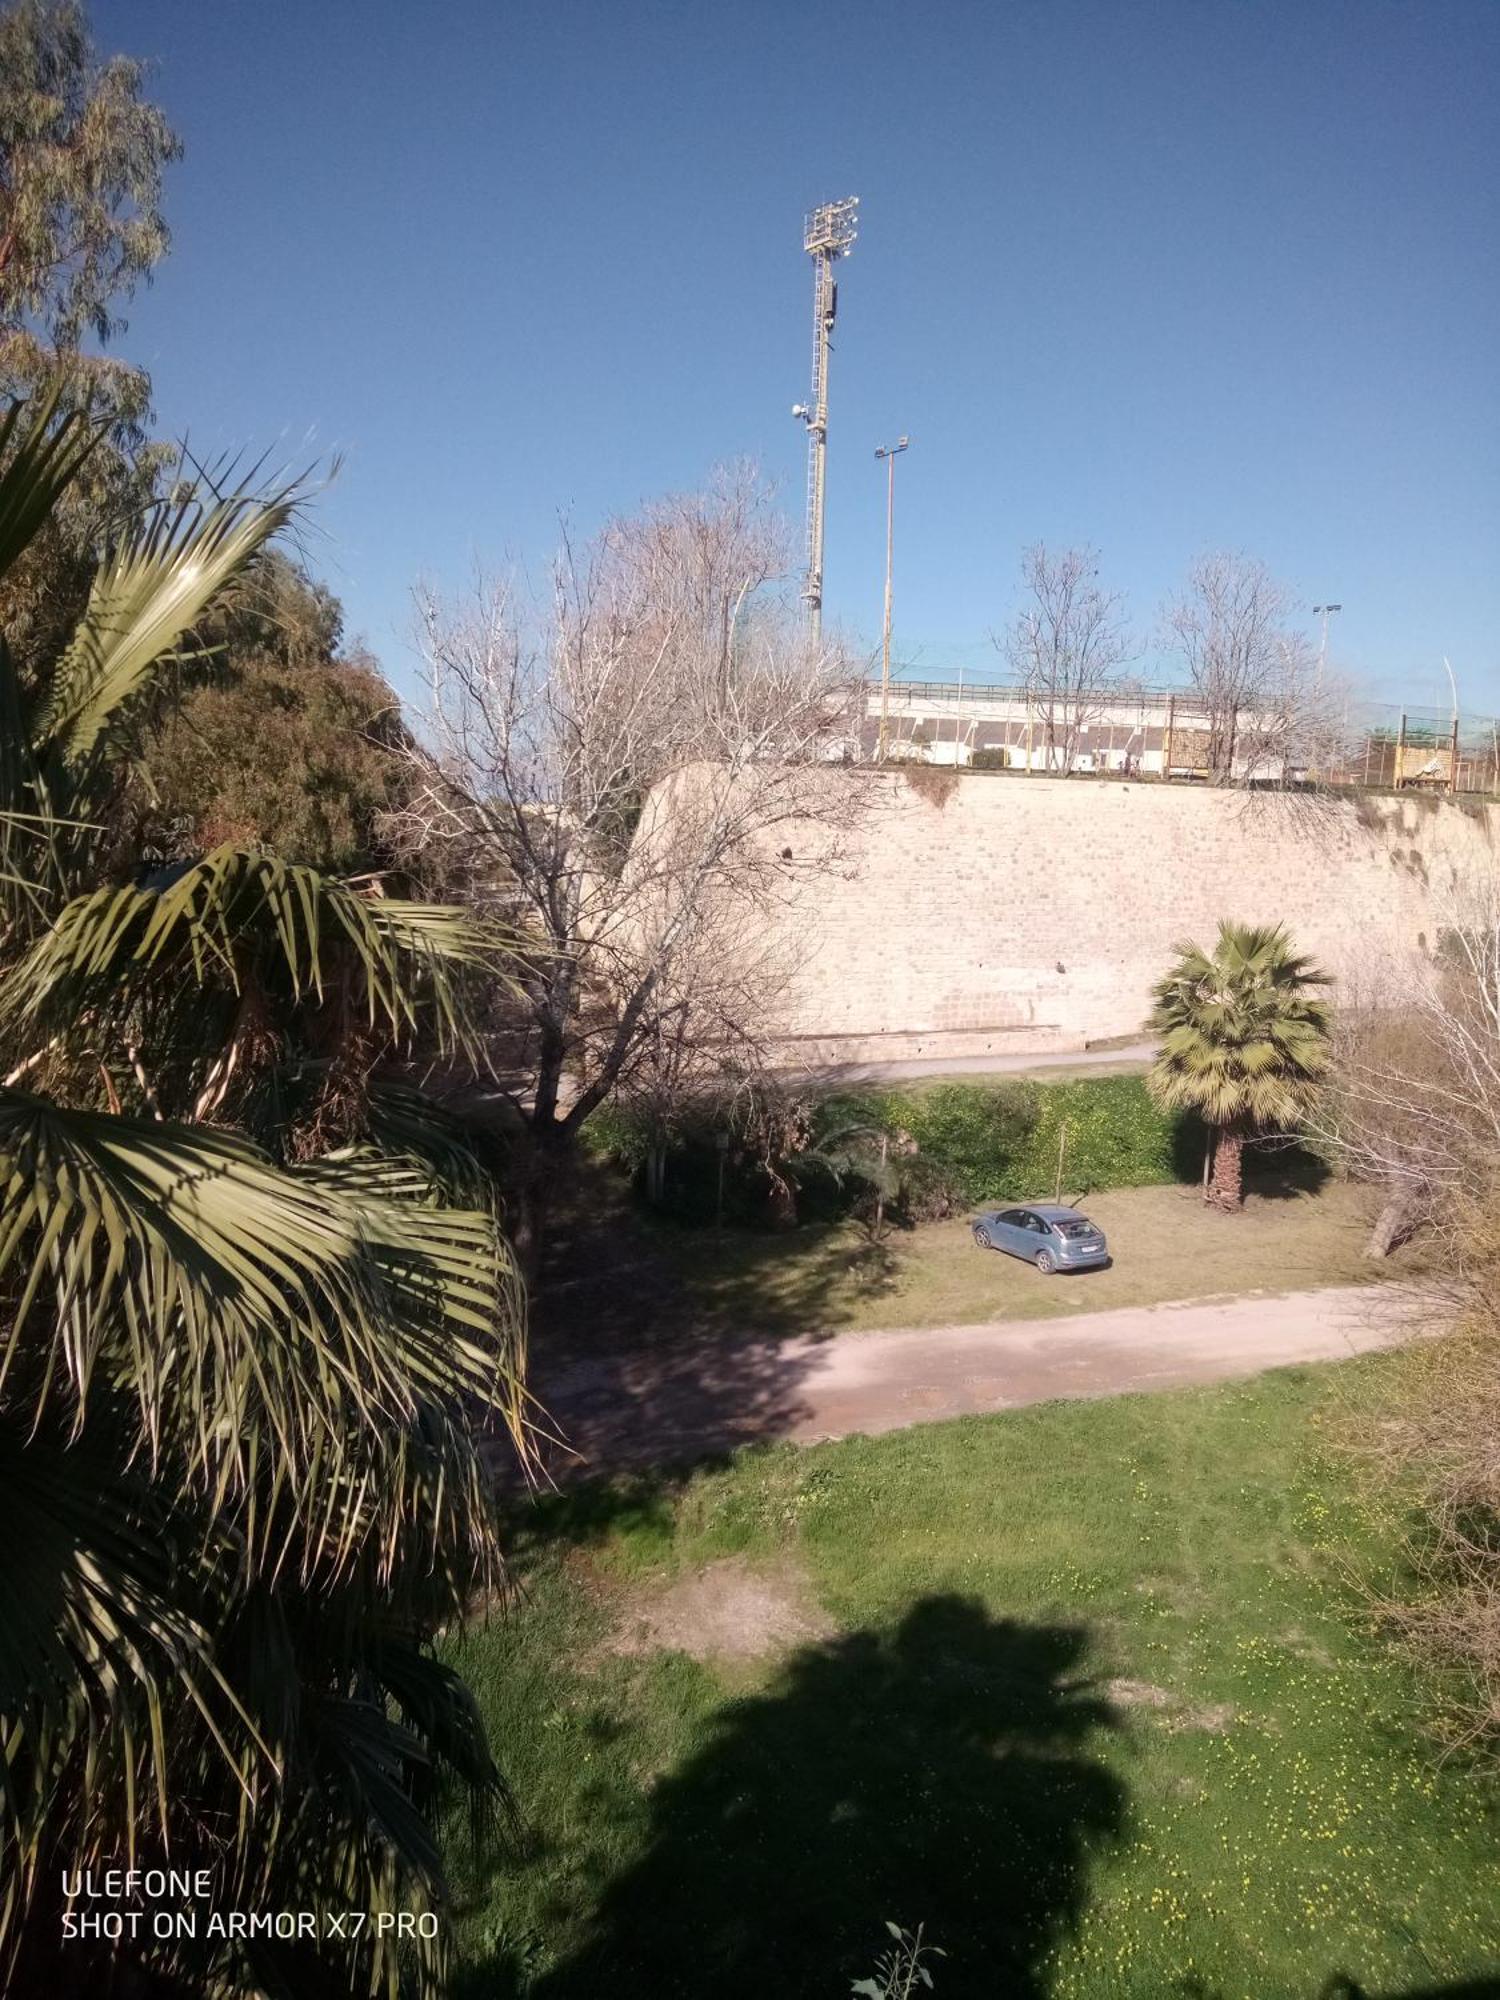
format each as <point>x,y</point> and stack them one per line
<point>1226,1187</point>
<point>538,1162</point>
<point>1400,1216</point>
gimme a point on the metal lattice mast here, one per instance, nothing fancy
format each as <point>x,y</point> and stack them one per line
<point>829,234</point>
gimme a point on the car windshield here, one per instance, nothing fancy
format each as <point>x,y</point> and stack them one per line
<point>1079,1228</point>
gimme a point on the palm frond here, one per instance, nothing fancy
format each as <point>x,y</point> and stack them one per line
<point>286,1336</point>
<point>40,457</point>
<point>146,598</point>
<point>105,1627</point>
<point>207,922</point>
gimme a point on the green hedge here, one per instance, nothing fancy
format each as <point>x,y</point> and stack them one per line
<point>1001,1140</point>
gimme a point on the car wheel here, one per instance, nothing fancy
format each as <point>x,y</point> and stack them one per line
<point>1046,1263</point>
<point>982,1236</point>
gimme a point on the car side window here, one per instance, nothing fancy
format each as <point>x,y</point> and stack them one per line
<point>1030,1221</point>
<point>1015,1218</point>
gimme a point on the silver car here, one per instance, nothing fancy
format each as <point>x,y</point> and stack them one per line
<point>1052,1238</point>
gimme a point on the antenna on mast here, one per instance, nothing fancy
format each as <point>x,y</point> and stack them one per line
<point>827,235</point>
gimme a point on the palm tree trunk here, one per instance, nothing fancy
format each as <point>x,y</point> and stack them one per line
<point>1226,1188</point>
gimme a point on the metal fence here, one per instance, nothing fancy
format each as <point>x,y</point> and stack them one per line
<point>1175,733</point>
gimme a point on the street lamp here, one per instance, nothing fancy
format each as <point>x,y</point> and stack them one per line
<point>1452,689</point>
<point>890,453</point>
<point>1325,612</point>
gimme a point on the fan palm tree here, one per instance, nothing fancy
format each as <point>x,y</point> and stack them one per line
<point>1245,1043</point>
<point>254,1314</point>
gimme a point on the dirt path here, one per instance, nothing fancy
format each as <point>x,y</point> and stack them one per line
<point>1049,1062</point>
<point>686,1400</point>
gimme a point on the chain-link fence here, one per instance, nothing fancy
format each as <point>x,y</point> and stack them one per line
<point>1176,733</point>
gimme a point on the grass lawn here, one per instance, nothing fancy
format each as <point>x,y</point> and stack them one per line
<point>1083,1689</point>
<point>1166,1245</point>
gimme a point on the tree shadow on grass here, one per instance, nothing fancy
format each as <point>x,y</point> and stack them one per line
<point>656,1346</point>
<point>1275,1169</point>
<point>939,1772</point>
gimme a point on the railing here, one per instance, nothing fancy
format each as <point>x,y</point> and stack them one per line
<point>1177,733</point>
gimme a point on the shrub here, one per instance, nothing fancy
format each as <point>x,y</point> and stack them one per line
<point>1002,1140</point>
<point>952,1146</point>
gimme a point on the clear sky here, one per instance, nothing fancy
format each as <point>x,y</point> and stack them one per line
<point>1159,275</point>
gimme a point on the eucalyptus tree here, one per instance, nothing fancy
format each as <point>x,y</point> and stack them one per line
<point>1246,1042</point>
<point>82,153</point>
<point>254,1314</point>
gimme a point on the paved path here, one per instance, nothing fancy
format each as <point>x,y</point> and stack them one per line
<point>1037,1063</point>
<point>685,1400</point>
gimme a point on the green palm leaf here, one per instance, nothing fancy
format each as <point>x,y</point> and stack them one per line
<point>146,597</point>
<point>208,922</point>
<point>40,457</point>
<point>282,1333</point>
<point>1244,1032</point>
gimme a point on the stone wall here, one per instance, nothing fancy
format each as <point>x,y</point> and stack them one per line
<point>978,914</point>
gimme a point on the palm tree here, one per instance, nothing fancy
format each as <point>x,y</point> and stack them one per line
<point>255,1312</point>
<point>1245,1042</point>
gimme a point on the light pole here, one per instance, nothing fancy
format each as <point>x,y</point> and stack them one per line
<point>1325,611</point>
<point>1452,689</point>
<point>890,453</point>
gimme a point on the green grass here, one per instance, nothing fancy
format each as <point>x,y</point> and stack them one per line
<point>1258,1813</point>
<point>1166,1245</point>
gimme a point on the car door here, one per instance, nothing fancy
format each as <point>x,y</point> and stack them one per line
<point>1036,1235</point>
<point>1013,1232</point>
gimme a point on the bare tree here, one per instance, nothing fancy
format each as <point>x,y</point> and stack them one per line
<point>1419,1112</point>
<point>1069,646</point>
<point>1418,1063</point>
<point>1269,709</point>
<point>611,773</point>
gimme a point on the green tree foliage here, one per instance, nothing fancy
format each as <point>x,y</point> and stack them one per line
<point>81,159</point>
<point>247,1335</point>
<point>282,739</point>
<point>950,1147</point>
<point>81,225</point>
<point>1245,1043</point>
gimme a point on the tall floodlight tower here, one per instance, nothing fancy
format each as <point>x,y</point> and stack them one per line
<point>828,234</point>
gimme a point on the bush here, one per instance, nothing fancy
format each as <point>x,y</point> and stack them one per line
<point>952,1147</point>
<point>994,1140</point>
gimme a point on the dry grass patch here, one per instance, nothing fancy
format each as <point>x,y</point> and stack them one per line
<point>725,1610</point>
<point>1167,1246</point>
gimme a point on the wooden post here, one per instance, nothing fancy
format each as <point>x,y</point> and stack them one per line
<point>1166,741</point>
<point>1453,759</point>
<point>1401,753</point>
<point>1062,1148</point>
<point>1028,733</point>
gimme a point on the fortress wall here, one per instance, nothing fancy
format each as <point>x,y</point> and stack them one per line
<point>975,915</point>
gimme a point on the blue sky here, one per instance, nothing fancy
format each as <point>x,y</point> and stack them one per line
<point>1153,275</point>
